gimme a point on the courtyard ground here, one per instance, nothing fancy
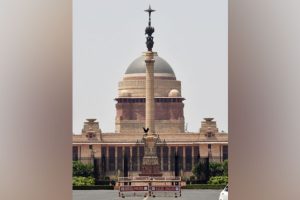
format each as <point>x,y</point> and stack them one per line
<point>113,195</point>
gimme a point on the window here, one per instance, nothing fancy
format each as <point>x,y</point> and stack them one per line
<point>111,159</point>
<point>134,159</point>
<point>141,150</point>
<point>119,159</point>
<point>172,162</point>
<point>225,152</point>
<point>158,155</point>
<point>165,158</point>
<point>188,158</point>
<point>75,153</point>
<point>180,157</point>
<point>196,154</point>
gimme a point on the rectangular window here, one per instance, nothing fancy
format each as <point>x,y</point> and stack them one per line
<point>119,159</point>
<point>165,158</point>
<point>75,153</point>
<point>188,158</point>
<point>196,154</point>
<point>134,159</point>
<point>141,149</point>
<point>225,152</point>
<point>172,157</point>
<point>127,154</point>
<point>158,155</point>
<point>103,159</point>
<point>180,157</point>
<point>111,163</point>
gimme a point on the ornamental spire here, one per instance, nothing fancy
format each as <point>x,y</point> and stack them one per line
<point>149,30</point>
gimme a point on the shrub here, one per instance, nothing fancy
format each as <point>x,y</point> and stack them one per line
<point>113,182</point>
<point>225,168</point>
<point>216,169</point>
<point>102,182</point>
<point>93,187</point>
<point>201,171</point>
<point>216,180</point>
<point>84,170</point>
<point>192,178</point>
<point>83,181</point>
<point>204,186</point>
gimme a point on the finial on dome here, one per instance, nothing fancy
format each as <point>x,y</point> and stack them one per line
<point>149,30</point>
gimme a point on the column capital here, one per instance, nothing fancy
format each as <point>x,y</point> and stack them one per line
<point>149,55</point>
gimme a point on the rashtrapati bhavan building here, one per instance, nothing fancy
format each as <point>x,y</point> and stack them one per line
<point>121,153</point>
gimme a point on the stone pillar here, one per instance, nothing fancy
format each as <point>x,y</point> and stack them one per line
<point>215,152</point>
<point>107,158</point>
<point>149,91</point>
<point>221,152</point>
<point>130,158</point>
<point>79,148</point>
<point>116,158</point>
<point>203,150</point>
<point>100,151</point>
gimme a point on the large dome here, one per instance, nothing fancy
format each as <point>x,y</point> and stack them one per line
<point>138,66</point>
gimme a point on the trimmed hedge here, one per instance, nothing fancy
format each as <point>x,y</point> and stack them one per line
<point>217,180</point>
<point>110,187</point>
<point>105,182</point>
<point>81,181</point>
<point>203,186</point>
<point>93,187</point>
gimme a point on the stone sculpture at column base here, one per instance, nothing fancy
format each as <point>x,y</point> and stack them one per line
<point>150,166</point>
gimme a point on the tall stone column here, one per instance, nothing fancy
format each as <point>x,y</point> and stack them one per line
<point>150,165</point>
<point>149,91</point>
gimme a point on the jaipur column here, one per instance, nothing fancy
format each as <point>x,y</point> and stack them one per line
<point>149,90</point>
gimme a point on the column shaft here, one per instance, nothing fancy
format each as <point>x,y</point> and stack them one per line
<point>149,91</point>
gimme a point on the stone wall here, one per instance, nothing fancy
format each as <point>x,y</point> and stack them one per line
<point>136,88</point>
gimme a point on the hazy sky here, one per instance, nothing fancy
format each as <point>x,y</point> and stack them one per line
<point>190,35</point>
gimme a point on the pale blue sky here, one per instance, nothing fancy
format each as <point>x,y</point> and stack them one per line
<point>190,35</point>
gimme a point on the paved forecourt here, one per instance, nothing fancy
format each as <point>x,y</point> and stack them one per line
<point>113,195</point>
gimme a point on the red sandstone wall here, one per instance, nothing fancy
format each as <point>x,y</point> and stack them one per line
<point>136,111</point>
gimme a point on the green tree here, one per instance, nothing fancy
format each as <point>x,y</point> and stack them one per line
<point>81,169</point>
